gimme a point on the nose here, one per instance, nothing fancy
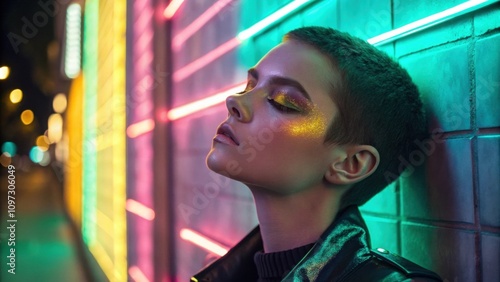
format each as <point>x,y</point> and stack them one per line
<point>239,108</point>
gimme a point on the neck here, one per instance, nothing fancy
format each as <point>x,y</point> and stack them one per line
<point>291,221</point>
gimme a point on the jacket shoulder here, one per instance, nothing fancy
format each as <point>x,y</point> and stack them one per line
<point>387,267</point>
<point>409,269</point>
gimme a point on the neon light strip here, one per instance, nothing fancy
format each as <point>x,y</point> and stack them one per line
<point>103,259</point>
<point>136,274</point>
<point>204,60</point>
<point>198,23</point>
<point>140,128</point>
<point>104,222</point>
<point>204,103</point>
<point>269,20</point>
<point>140,209</point>
<point>390,36</point>
<point>172,8</point>
<point>203,242</point>
<point>89,131</point>
<point>73,53</point>
<point>429,21</point>
<point>119,160</point>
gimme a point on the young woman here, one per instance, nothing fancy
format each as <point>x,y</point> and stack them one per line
<point>323,119</point>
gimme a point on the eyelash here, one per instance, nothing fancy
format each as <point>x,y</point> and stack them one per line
<point>281,107</point>
<point>276,105</point>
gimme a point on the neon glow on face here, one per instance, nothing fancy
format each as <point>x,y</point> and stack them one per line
<point>279,122</point>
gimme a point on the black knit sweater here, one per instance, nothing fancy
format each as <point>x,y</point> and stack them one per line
<point>272,267</point>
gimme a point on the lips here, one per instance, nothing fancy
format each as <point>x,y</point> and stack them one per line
<point>225,135</point>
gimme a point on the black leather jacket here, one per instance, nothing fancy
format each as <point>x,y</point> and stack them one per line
<point>341,254</point>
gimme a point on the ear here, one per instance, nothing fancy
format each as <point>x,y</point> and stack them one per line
<point>353,164</point>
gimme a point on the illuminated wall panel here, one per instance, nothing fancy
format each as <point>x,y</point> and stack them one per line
<point>73,164</point>
<point>143,78</point>
<point>90,42</point>
<point>104,226</point>
<point>435,207</point>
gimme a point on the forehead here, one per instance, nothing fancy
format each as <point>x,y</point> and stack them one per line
<point>300,62</point>
<point>305,64</point>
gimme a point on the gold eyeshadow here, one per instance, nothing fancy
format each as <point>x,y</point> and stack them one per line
<point>289,101</point>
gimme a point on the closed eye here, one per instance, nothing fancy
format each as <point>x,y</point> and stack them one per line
<point>280,107</point>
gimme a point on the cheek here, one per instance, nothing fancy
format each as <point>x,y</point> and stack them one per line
<point>310,128</point>
<point>290,155</point>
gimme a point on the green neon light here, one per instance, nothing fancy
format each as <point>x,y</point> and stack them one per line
<point>446,15</point>
<point>91,21</point>
<point>271,19</point>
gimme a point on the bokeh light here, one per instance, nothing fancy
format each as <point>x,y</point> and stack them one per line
<point>5,160</point>
<point>9,148</point>
<point>59,103</point>
<point>36,155</point>
<point>43,142</point>
<point>27,117</point>
<point>16,96</point>
<point>4,72</point>
<point>55,128</point>
<point>45,159</point>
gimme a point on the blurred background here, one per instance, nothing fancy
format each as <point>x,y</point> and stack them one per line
<point>108,109</point>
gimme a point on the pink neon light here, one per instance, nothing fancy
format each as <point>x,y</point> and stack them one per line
<point>139,209</point>
<point>136,274</point>
<point>162,115</point>
<point>198,23</point>
<point>199,105</point>
<point>203,242</point>
<point>140,4</point>
<point>172,8</point>
<point>144,40</point>
<point>143,21</point>
<point>140,128</point>
<point>145,60</point>
<point>205,60</point>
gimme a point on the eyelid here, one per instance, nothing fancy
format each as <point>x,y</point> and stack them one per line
<point>288,100</point>
<point>283,99</point>
<point>282,108</point>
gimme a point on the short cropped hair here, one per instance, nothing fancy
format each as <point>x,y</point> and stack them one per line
<point>378,104</point>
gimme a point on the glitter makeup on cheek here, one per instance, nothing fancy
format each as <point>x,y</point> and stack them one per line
<point>312,126</point>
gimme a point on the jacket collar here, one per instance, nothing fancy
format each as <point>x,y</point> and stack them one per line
<point>340,249</point>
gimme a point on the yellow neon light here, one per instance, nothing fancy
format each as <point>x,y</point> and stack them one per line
<point>108,146</point>
<point>119,126</point>
<point>103,259</point>
<point>105,223</point>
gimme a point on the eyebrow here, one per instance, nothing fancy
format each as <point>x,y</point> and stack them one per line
<point>280,80</point>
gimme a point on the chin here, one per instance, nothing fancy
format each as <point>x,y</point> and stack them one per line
<point>215,163</point>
